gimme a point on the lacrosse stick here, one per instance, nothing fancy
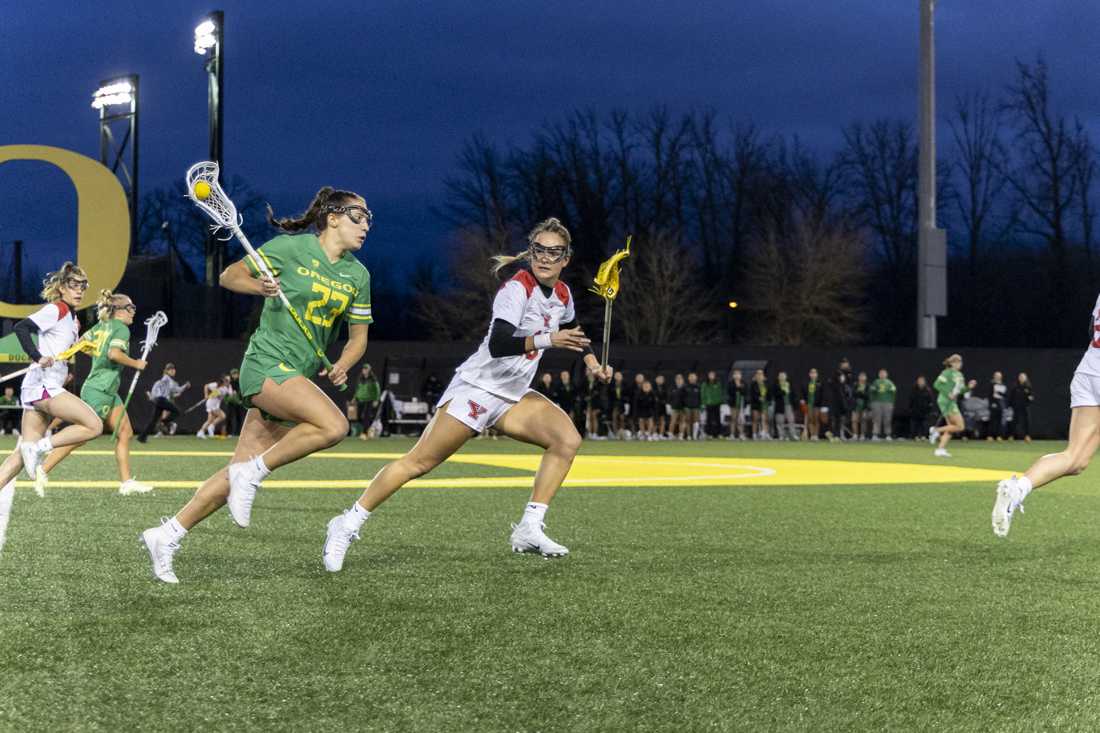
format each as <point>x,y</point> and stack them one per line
<point>153,325</point>
<point>81,345</point>
<point>204,189</point>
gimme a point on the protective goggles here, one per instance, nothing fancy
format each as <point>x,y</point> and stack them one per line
<point>358,214</point>
<point>549,255</point>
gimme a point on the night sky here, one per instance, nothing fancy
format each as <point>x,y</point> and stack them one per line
<point>379,97</point>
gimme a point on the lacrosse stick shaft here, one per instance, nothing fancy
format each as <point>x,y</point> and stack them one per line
<point>16,374</point>
<point>606,330</point>
<point>192,407</point>
<point>152,329</point>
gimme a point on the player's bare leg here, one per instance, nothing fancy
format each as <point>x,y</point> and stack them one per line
<point>444,435</point>
<point>1084,440</point>
<point>257,435</point>
<point>954,425</point>
<point>34,426</point>
<point>536,420</point>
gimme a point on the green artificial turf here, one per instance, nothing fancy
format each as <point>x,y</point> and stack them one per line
<point>713,608</point>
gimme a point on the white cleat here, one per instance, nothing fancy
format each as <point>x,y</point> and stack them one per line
<point>6,495</point>
<point>337,541</point>
<point>161,550</point>
<point>200,435</point>
<point>244,482</point>
<point>32,457</point>
<point>529,537</point>
<point>933,435</point>
<point>1010,497</point>
<point>941,453</point>
<point>133,486</point>
<point>41,481</point>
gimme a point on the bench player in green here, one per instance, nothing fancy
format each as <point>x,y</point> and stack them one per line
<point>110,344</point>
<point>949,385</point>
<point>288,416</point>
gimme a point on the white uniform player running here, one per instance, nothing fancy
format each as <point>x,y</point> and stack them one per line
<point>1084,437</point>
<point>215,392</point>
<point>44,395</point>
<point>532,312</point>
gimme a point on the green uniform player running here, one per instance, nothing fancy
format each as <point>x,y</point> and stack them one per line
<point>288,415</point>
<point>948,385</point>
<point>108,347</point>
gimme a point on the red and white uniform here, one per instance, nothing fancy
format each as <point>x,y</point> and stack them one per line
<point>215,393</point>
<point>58,329</point>
<point>484,387</point>
<point>1084,389</point>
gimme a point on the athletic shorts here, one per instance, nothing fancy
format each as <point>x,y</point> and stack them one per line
<point>213,405</point>
<point>101,402</point>
<point>255,369</point>
<point>947,407</point>
<point>1084,391</point>
<point>41,384</point>
<point>473,406</point>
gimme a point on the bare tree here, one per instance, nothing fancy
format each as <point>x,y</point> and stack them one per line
<point>461,312</point>
<point>806,287</point>
<point>664,299</point>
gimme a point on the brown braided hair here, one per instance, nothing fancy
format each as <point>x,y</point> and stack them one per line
<point>316,215</point>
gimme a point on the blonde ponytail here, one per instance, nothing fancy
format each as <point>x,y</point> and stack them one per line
<point>108,303</point>
<point>51,285</point>
<point>552,225</point>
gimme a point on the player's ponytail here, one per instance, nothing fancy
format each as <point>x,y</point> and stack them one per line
<point>108,303</point>
<point>316,215</point>
<point>552,225</point>
<point>51,285</point>
<point>953,359</point>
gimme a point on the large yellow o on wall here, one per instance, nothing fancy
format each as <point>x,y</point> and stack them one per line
<point>102,222</point>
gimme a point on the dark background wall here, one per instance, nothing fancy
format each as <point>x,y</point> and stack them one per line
<point>410,362</point>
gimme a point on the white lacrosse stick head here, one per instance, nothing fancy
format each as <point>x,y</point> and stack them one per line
<point>215,202</point>
<point>152,328</point>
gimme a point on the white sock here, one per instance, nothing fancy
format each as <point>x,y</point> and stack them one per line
<point>534,512</point>
<point>174,529</point>
<point>261,467</point>
<point>45,445</point>
<point>355,516</point>
<point>1024,483</point>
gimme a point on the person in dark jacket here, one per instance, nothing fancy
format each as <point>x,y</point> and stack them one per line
<point>645,402</point>
<point>737,392</point>
<point>660,389</point>
<point>758,401</point>
<point>1020,399</point>
<point>998,401</point>
<point>676,404</point>
<point>693,400</point>
<point>783,398</point>
<point>618,397</point>
<point>712,396</point>
<point>841,400</point>
<point>811,404</point>
<point>635,390</point>
<point>922,402</point>
<point>595,406</point>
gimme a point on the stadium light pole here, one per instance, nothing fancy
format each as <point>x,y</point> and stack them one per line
<point>210,44</point>
<point>117,102</point>
<point>931,241</point>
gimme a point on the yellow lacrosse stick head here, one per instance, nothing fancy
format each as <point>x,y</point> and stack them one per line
<point>607,277</point>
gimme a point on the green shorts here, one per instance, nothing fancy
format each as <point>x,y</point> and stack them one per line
<point>947,407</point>
<point>255,370</point>
<point>101,402</point>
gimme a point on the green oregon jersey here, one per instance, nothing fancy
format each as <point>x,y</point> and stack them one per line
<point>950,384</point>
<point>322,292</point>
<point>106,335</point>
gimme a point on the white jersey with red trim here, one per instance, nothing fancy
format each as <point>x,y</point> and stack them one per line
<point>521,302</point>
<point>58,329</point>
<point>1090,362</point>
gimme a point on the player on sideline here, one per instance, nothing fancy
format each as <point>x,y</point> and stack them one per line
<point>1084,437</point>
<point>949,385</point>
<point>110,339</point>
<point>43,395</point>
<point>532,312</point>
<point>327,285</point>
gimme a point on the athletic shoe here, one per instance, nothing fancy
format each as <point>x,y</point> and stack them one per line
<point>6,495</point>
<point>40,482</point>
<point>31,457</point>
<point>1010,497</point>
<point>201,435</point>
<point>161,550</point>
<point>172,428</point>
<point>529,537</point>
<point>933,435</point>
<point>337,541</point>
<point>941,453</point>
<point>133,486</point>
<point>244,481</point>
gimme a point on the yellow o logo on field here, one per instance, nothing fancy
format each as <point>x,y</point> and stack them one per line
<point>102,224</point>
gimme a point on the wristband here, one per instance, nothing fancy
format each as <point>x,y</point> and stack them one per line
<point>541,341</point>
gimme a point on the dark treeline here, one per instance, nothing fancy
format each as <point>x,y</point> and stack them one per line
<point>817,249</point>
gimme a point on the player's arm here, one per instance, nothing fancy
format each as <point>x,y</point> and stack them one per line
<point>351,354</point>
<point>239,278</point>
<point>119,356</point>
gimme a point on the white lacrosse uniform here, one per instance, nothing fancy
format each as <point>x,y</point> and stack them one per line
<point>484,388</point>
<point>215,393</point>
<point>58,329</point>
<point>1084,389</point>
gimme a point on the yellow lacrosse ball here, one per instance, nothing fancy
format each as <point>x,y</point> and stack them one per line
<point>202,190</point>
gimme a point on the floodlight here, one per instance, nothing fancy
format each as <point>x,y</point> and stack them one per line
<point>116,92</point>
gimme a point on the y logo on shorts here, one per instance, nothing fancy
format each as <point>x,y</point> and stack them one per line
<point>476,410</point>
